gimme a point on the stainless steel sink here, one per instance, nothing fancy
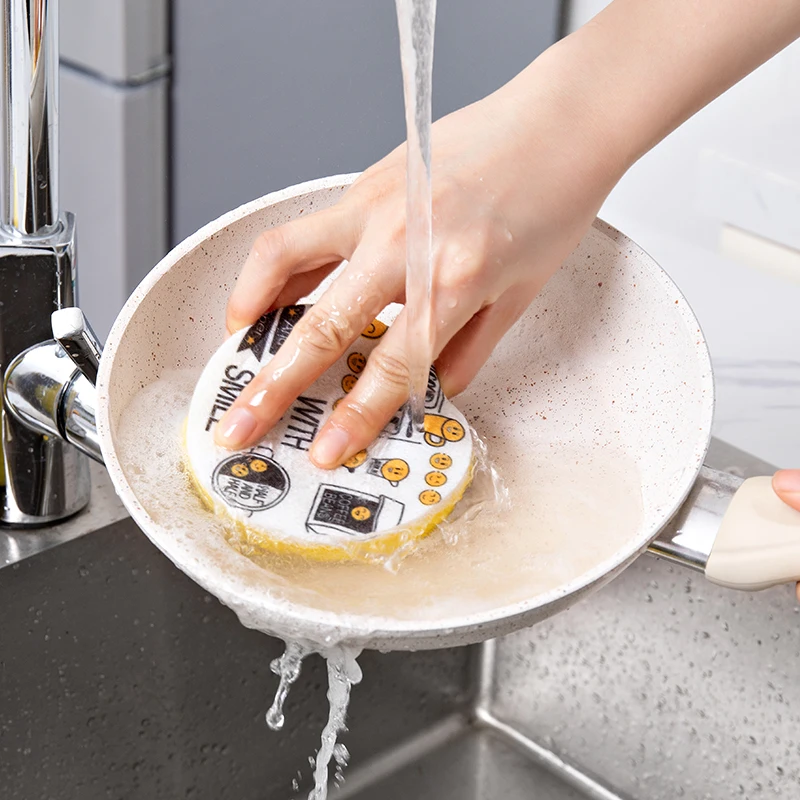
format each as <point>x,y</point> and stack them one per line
<point>120,678</point>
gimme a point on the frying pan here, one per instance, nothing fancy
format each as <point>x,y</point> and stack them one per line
<point>605,382</point>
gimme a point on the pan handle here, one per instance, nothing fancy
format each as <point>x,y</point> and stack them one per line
<point>739,533</point>
<point>758,543</point>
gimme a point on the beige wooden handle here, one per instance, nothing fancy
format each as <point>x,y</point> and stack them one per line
<point>758,544</point>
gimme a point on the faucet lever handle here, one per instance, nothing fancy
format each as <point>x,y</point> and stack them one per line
<point>72,331</point>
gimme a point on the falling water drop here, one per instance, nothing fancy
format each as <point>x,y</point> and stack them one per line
<point>288,668</point>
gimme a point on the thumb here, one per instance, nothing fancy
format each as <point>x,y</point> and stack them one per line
<point>786,484</point>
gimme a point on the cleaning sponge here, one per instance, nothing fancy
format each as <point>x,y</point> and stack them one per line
<point>399,489</point>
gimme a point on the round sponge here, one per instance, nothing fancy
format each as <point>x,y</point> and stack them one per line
<point>399,489</point>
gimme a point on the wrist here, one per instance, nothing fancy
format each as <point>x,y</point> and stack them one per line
<point>559,97</point>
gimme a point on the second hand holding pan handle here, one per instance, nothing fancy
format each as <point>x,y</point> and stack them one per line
<point>740,534</point>
<point>758,544</point>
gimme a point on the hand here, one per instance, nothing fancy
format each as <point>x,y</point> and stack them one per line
<point>513,194</point>
<point>786,484</point>
<point>518,178</point>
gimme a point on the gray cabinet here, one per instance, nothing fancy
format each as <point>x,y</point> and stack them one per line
<point>267,93</point>
<point>113,118</point>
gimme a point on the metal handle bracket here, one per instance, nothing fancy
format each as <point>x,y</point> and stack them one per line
<point>72,331</point>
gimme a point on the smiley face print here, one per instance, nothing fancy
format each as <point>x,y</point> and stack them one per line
<point>436,479</point>
<point>439,429</point>
<point>429,497</point>
<point>354,462</point>
<point>441,461</point>
<point>250,482</point>
<point>357,362</point>
<point>393,470</point>
<point>360,513</point>
<point>374,330</point>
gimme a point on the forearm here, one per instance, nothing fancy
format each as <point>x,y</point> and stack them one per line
<point>642,67</point>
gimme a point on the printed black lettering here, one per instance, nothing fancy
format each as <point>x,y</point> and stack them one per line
<point>305,433</point>
<point>229,390</point>
<point>307,413</point>
<point>296,442</point>
<point>313,404</point>
<point>216,407</point>
<point>243,376</point>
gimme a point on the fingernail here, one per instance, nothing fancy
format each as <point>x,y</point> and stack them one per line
<point>787,481</point>
<point>235,428</point>
<point>329,447</point>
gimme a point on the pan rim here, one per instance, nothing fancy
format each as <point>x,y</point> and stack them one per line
<point>374,631</point>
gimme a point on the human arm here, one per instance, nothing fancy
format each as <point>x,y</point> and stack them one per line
<point>518,178</point>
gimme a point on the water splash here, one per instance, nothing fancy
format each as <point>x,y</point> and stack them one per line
<point>341,755</point>
<point>343,674</point>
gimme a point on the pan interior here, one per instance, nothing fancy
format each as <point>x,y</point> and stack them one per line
<point>596,410</point>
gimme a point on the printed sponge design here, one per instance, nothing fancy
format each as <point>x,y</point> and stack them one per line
<point>407,483</point>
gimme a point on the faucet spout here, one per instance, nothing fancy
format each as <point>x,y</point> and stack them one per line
<point>45,392</point>
<point>30,92</point>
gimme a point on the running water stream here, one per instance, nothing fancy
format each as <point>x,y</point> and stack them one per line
<point>416,22</point>
<point>343,674</point>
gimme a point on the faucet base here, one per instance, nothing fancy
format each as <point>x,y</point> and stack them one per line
<point>42,478</point>
<point>48,480</point>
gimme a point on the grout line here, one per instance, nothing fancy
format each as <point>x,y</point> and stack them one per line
<point>547,759</point>
<point>417,747</point>
<point>132,82</point>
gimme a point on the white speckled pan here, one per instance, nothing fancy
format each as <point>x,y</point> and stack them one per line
<point>609,355</point>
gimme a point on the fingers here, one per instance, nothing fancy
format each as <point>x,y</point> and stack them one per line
<point>382,388</point>
<point>363,414</point>
<point>302,245</point>
<point>786,483</point>
<point>316,342</point>
<point>301,285</point>
<point>465,354</point>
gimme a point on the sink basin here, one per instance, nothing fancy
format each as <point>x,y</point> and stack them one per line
<point>121,678</point>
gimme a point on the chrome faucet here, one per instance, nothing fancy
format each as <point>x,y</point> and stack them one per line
<point>48,393</point>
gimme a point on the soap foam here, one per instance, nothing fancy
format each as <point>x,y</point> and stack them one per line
<point>568,509</point>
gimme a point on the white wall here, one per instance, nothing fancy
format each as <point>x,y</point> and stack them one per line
<point>718,205</point>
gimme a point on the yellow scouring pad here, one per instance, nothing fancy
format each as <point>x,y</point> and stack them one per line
<point>398,490</point>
